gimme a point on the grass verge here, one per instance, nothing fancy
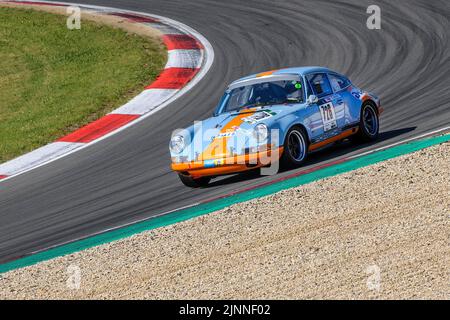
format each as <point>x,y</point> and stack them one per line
<point>54,80</point>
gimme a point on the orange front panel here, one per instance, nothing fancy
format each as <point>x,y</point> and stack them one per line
<point>220,170</point>
<point>229,165</point>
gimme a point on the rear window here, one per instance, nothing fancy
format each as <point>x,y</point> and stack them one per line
<point>338,82</point>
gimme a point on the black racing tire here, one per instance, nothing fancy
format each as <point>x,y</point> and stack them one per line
<point>369,123</point>
<point>295,149</point>
<point>188,181</point>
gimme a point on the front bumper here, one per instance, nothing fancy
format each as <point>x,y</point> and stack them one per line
<point>228,165</point>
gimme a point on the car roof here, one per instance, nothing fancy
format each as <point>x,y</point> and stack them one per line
<point>295,70</point>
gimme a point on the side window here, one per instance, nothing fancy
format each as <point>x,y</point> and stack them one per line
<point>338,82</point>
<point>319,84</point>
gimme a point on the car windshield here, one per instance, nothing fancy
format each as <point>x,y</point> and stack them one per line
<point>261,94</point>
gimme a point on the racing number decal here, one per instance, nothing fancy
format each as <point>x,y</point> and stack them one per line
<point>328,116</point>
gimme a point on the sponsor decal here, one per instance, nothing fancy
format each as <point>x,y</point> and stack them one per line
<point>258,116</point>
<point>328,116</point>
<point>225,134</point>
<point>328,99</point>
<point>228,133</point>
<point>357,93</point>
<point>208,164</point>
<point>213,163</point>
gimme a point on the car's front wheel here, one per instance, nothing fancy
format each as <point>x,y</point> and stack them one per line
<point>194,182</point>
<point>295,148</point>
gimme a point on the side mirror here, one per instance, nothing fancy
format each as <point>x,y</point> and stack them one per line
<point>312,99</point>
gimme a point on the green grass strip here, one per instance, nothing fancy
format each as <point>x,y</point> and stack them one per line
<point>206,208</point>
<point>54,80</point>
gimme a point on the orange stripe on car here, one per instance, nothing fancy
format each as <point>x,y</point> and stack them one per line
<point>266,73</point>
<point>218,147</point>
<point>340,136</point>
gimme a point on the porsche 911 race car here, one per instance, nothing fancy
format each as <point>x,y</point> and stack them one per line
<point>271,118</point>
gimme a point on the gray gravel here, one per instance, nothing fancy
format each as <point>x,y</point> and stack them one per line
<point>329,239</point>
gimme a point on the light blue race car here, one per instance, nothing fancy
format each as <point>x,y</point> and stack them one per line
<point>273,118</point>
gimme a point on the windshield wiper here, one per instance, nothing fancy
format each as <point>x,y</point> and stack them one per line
<point>257,104</point>
<point>248,106</point>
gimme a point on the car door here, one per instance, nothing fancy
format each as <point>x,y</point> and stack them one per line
<point>340,86</point>
<point>329,106</point>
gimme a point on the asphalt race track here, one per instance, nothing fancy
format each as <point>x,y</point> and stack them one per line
<point>127,177</point>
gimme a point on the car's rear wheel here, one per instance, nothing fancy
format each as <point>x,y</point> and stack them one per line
<point>369,123</point>
<point>295,148</point>
<point>194,182</point>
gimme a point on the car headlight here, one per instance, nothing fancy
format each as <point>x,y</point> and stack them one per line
<point>177,144</point>
<point>261,132</point>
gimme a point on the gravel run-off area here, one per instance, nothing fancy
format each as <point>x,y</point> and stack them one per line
<point>379,232</point>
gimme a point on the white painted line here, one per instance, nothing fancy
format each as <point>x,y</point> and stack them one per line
<point>180,58</point>
<point>146,101</point>
<point>116,228</point>
<point>400,142</point>
<point>32,159</point>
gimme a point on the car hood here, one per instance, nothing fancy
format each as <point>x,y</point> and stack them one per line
<point>229,133</point>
